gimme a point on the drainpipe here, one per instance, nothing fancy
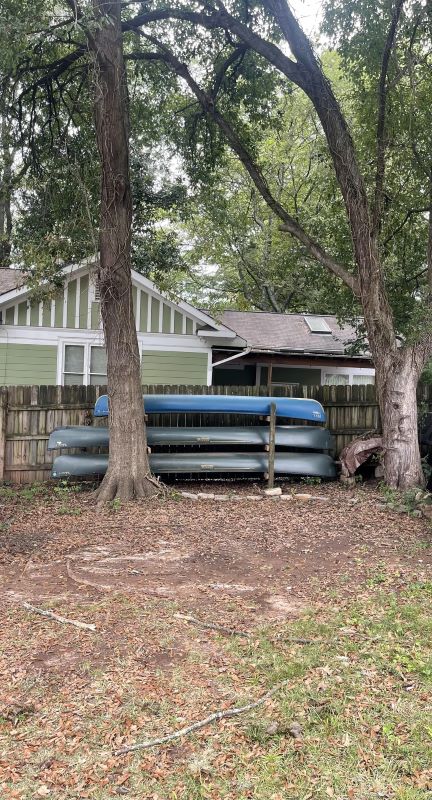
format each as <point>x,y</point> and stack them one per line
<point>231,358</point>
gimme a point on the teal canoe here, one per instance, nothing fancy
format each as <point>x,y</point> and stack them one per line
<point>313,465</point>
<point>291,407</point>
<point>306,437</point>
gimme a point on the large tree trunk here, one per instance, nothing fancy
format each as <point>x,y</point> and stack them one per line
<point>6,160</point>
<point>128,474</point>
<point>397,381</point>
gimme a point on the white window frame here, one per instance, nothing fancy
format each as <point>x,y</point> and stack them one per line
<point>87,354</point>
<point>310,318</point>
<point>335,374</point>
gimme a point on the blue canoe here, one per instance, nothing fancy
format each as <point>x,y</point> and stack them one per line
<point>307,437</point>
<point>292,407</point>
<point>317,465</point>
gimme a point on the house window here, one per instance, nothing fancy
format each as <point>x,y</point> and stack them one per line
<point>84,364</point>
<point>98,366</point>
<point>363,380</point>
<point>336,379</point>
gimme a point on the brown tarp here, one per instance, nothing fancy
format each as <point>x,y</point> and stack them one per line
<point>357,452</point>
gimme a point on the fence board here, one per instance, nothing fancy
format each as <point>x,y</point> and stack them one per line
<point>29,413</point>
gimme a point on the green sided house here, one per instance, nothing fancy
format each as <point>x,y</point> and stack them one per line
<point>60,341</point>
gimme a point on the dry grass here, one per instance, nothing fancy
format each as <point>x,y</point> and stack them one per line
<point>360,692</point>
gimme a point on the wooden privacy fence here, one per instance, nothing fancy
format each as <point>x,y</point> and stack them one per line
<point>28,414</point>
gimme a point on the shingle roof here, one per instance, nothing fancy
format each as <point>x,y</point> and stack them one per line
<point>10,279</point>
<point>264,331</point>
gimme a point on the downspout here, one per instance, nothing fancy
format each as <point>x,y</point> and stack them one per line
<point>231,358</point>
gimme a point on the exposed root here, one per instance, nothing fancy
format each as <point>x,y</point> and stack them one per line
<point>126,488</point>
<point>104,587</point>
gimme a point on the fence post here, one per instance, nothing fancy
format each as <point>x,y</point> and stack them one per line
<point>3,426</point>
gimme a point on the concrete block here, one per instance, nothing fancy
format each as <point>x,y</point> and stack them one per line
<point>276,492</point>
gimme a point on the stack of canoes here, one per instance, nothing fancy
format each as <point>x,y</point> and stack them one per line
<point>304,447</point>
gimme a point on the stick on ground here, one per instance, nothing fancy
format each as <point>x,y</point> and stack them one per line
<point>216,717</point>
<point>57,618</point>
<point>211,626</point>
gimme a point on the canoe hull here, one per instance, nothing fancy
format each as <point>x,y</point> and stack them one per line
<point>305,437</point>
<point>317,465</point>
<point>292,407</point>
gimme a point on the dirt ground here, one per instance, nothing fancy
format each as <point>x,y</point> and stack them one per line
<point>249,561</point>
<point>69,697</point>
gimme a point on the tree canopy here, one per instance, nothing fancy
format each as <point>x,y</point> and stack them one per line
<point>205,79</point>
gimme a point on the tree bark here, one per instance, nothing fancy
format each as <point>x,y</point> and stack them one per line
<point>6,159</point>
<point>397,381</point>
<point>128,474</point>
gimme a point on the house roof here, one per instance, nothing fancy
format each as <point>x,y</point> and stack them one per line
<point>290,332</point>
<point>13,287</point>
<point>10,279</point>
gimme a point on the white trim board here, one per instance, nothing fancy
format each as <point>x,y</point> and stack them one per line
<point>15,334</point>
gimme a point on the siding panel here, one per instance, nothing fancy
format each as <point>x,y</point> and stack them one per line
<point>34,315</point>
<point>178,322</point>
<point>58,314</point>
<point>173,367</point>
<point>71,301</point>
<point>95,316</point>
<point>144,311</point>
<point>46,314</point>
<point>166,319</point>
<point>27,364</point>
<point>83,301</point>
<point>155,315</point>
<point>22,313</point>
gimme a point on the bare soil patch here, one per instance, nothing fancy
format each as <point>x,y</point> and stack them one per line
<point>69,697</point>
<point>252,561</point>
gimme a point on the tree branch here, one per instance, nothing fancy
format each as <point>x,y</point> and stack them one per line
<point>381,122</point>
<point>216,717</point>
<point>289,224</point>
<point>236,55</point>
<point>222,19</point>
<point>407,216</point>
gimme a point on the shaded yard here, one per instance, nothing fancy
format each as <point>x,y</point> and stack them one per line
<point>334,593</point>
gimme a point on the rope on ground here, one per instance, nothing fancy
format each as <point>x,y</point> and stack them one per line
<point>216,717</point>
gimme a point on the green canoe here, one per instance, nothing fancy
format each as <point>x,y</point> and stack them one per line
<point>317,465</point>
<point>305,437</point>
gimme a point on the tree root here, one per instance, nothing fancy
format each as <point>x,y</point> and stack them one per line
<point>126,488</point>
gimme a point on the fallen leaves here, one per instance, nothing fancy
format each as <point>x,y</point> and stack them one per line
<point>145,671</point>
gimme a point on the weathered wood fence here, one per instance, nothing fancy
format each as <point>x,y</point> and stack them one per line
<point>29,413</point>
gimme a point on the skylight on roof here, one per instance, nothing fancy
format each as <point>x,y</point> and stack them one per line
<point>317,325</point>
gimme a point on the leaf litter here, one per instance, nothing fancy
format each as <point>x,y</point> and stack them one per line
<point>305,581</point>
